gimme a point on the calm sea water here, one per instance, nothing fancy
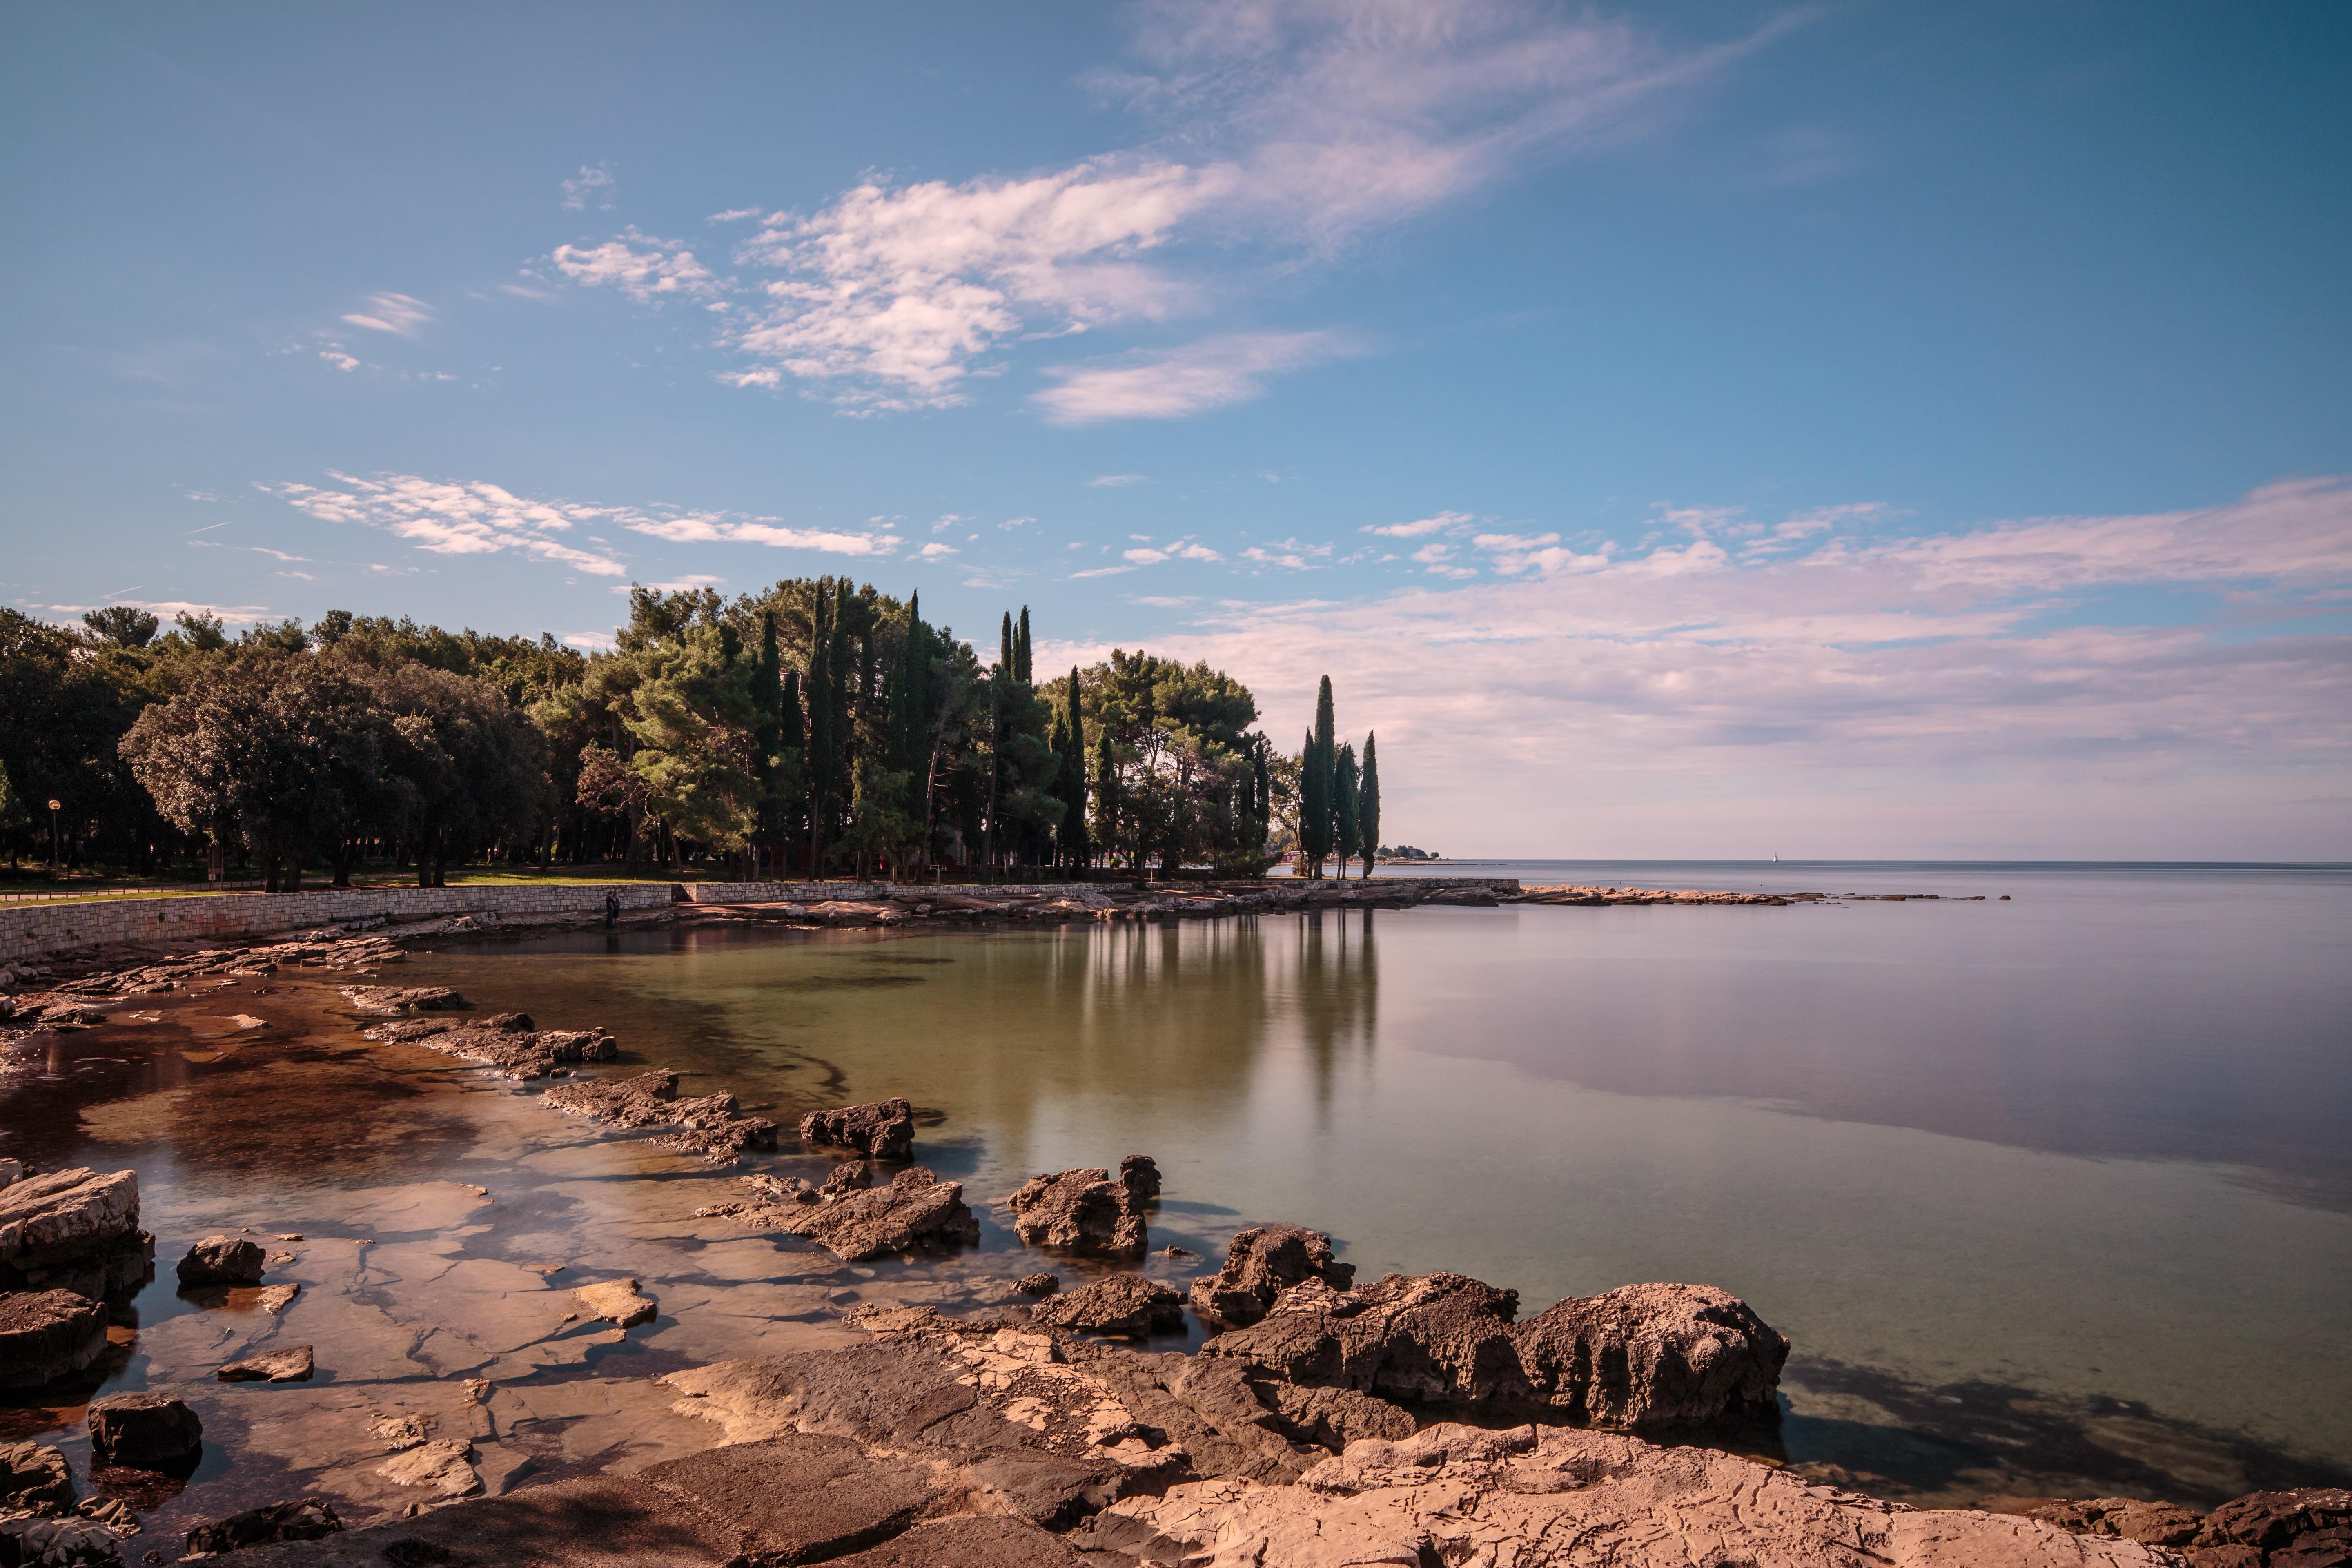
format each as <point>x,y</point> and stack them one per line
<point>2051,1194</point>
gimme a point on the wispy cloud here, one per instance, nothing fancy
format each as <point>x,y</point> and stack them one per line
<point>1195,379</point>
<point>591,186</point>
<point>699,528</point>
<point>641,266</point>
<point>230,615</point>
<point>396,314</point>
<point>1868,694</point>
<point>1113,481</point>
<point>1422,528</point>
<point>1281,133</point>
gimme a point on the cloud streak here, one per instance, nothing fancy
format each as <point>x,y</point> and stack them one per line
<point>1201,376</point>
<point>476,518</point>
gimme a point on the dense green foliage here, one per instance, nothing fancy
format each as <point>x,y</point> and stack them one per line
<point>816,727</point>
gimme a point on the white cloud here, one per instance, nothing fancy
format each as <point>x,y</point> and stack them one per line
<point>589,186</point>
<point>1099,572</point>
<point>1194,379</point>
<point>640,266</point>
<point>1871,696</point>
<point>1285,131</point>
<point>474,518</point>
<point>934,550</point>
<point>228,615</point>
<point>592,642</point>
<point>338,359</point>
<point>733,215</point>
<point>1421,528</point>
<point>1290,555</point>
<point>394,314</point>
<point>1112,482</point>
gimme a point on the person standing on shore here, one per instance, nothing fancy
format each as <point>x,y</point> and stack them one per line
<point>612,907</point>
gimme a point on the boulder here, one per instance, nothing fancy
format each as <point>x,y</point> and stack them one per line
<point>2126,1519</point>
<point>1431,1338</point>
<point>1264,1261</point>
<point>882,1131</point>
<point>1037,1284</point>
<point>48,1335</point>
<point>59,1542</point>
<point>33,1476</point>
<point>1139,1177</point>
<point>222,1260</point>
<point>916,1212</point>
<point>1080,1211</point>
<point>289,1365</point>
<point>1123,1304</point>
<point>2298,1527</point>
<point>618,1301</point>
<point>1653,1355</point>
<point>847,1178</point>
<point>64,1219</point>
<point>1553,1497</point>
<point>1642,1356</point>
<point>145,1431</point>
<point>305,1519</point>
<point>393,1000</point>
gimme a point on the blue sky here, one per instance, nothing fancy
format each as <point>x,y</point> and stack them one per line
<point>1706,430</point>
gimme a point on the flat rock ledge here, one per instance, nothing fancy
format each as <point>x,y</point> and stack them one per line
<point>75,1230</point>
<point>505,1043</point>
<point>292,1364</point>
<point>48,1335</point>
<point>939,1444</point>
<point>917,1212</point>
<point>710,1125</point>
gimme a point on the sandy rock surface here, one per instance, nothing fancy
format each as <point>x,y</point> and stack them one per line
<point>1553,1497</point>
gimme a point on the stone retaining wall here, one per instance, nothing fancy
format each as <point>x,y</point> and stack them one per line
<point>37,929</point>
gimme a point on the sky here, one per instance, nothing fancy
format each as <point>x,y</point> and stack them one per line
<point>1841,431</point>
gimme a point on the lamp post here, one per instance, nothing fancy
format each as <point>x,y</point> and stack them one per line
<point>56,859</point>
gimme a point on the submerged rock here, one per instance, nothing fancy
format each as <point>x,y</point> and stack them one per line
<point>46,1335</point>
<point>305,1519</point>
<point>292,1364</point>
<point>1085,1210</point>
<point>639,1102</point>
<point>1037,1284</point>
<point>916,1212</point>
<point>708,1126</point>
<point>1124,1304</point>
<point>222,1261</point>
<point>618,1301</point>
<point>145,1432</point>
<point>397,999</point>
<point>884,1130</point>
<point>510,1049</point>
<point>1263,1262</point>
<point>1556,1497</point>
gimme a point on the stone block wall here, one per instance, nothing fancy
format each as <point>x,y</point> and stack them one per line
<point>35,931</point>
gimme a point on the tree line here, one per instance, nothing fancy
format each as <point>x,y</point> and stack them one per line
<point>817,727</point>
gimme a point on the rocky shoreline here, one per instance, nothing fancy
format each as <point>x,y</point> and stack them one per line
<point>1413,1419</point>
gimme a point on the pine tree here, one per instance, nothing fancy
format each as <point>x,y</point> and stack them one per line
<point>1367,805</point>
<point>1343,808</point>
<point>767,705</point>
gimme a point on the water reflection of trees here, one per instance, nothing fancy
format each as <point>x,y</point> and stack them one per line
<point>1339,992</point>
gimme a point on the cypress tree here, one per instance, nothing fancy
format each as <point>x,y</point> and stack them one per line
<point>1316,823</point>
<point>1105,792</point>
<point>1314,809</point>
<point>1021,666</point>
<point>1074,845</point>
<point>1367,805</point>
<point>1262,799</point>
<point>1344,778</point>
<point>767,702</point>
